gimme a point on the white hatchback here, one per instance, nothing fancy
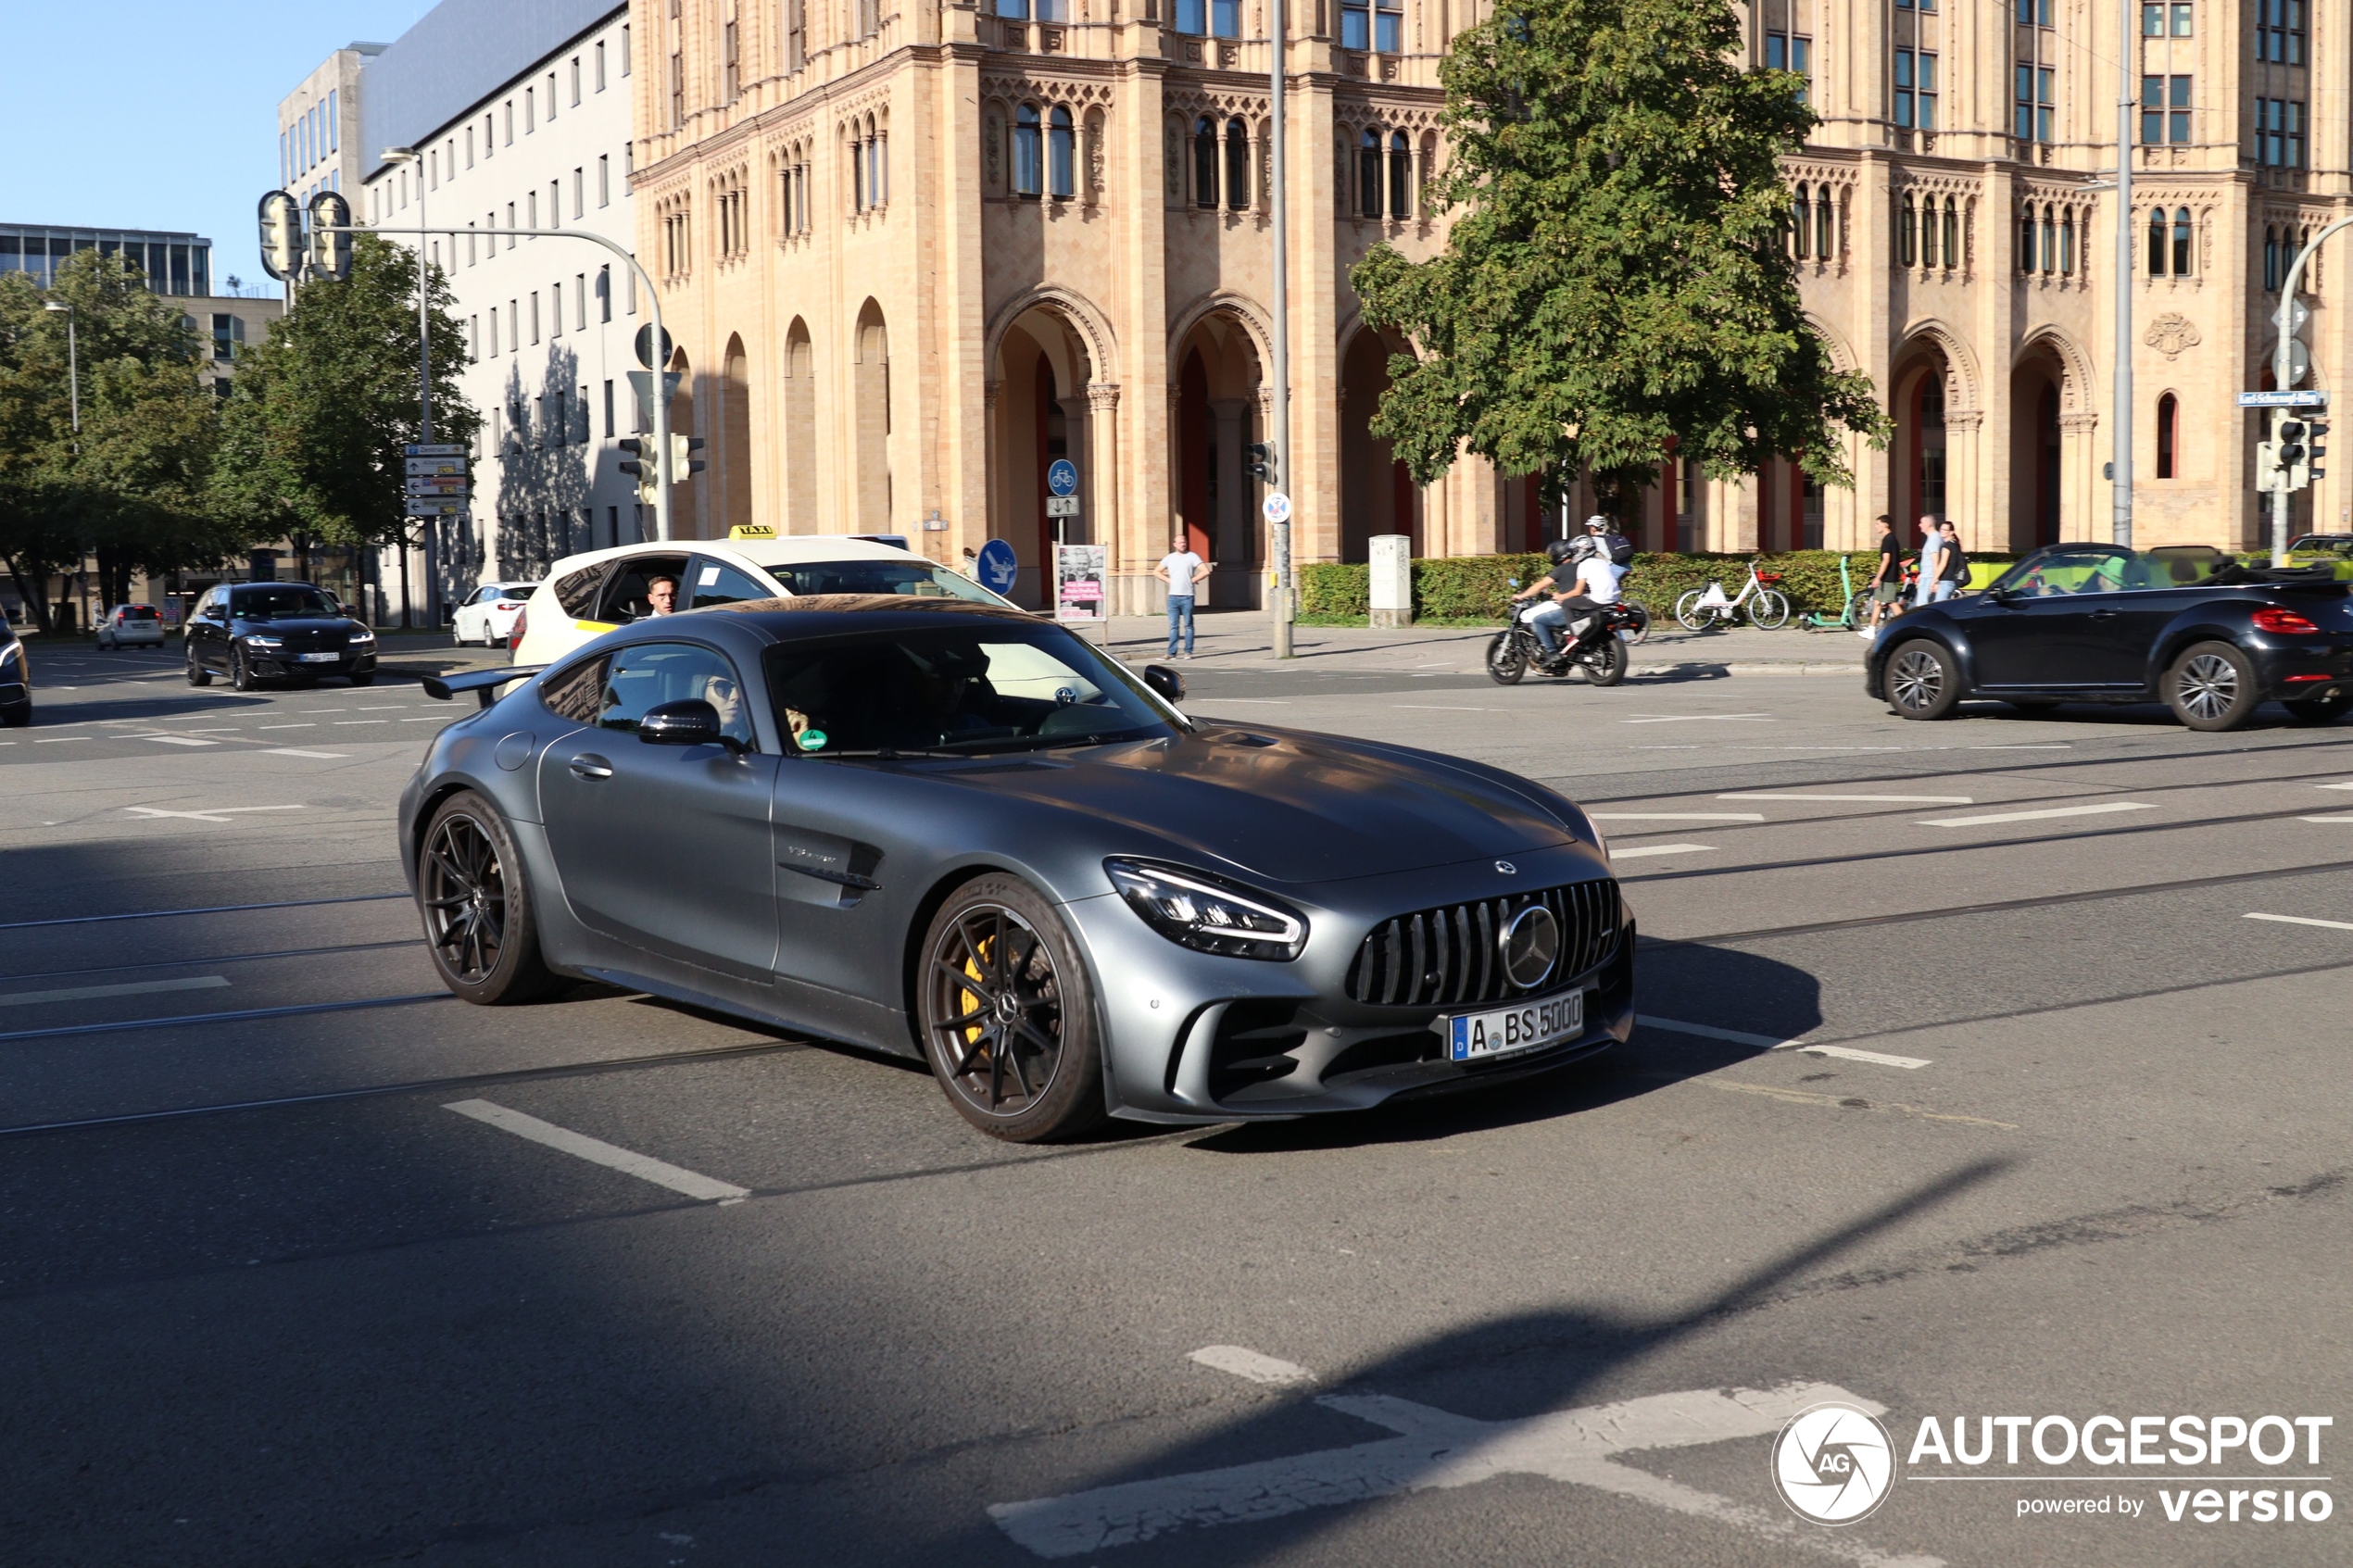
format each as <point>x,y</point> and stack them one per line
<point>488,617</point>
<point>589,595</point>
<point>131,626</point>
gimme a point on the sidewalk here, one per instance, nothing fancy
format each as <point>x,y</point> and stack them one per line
<point>1244,640</point>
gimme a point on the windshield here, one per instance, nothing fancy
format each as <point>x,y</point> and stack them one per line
<point>989,688</point>
<point>2106,569</point>
<point>906,577</point>
<point>286,601</point>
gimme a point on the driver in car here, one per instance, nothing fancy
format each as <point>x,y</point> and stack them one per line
<point>661,595</point>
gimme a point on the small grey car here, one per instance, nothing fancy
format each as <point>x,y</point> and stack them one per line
<point>959,832</point>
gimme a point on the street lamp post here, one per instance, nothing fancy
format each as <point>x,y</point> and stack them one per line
<point>2121,470</point>
<point>1279,533</point>
<point>425,384</point>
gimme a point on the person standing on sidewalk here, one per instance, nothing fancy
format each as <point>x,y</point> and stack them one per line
<point>1180,569</point>
<point>1887,579</point>
<point>1952,567</point>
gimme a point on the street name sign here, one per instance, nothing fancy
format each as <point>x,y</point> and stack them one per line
<point>433,449</point>
<point>2305,399</point>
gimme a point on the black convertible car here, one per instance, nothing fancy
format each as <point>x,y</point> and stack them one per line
<point>956,832</point>
<point>2192,628</point>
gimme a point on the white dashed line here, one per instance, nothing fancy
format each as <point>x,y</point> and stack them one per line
<point>1692,718</point>
<point>2102,808</point>
<point>177,740</point>
<point>1243,1363</point>
<point>1658,849</point>
<point>1894,800</point>
<point>59,740</point>
<point>597,1152</point>
<point>429,719</point>
<point>346,723</point>
<point>2339,818</point>
<point>1876,1059</point>
<point>1676,816</point>
<point>132,988</point>
<point>290,751</point>
<point>289,726</point>
<point>1769,1043</point>
<point>2305,920</point>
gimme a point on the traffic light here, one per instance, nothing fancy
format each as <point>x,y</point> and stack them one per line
<point>281,235</point>
<point>2313,450</point>
<point>649,480</point>
<point>682,460</point>
<point>1264,464</point>
<point>329,237</point>
<point>2294,458</point>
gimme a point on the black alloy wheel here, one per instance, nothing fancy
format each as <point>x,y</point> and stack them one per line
<point>1007,1017</point>
<point>240,673</point>
<point>1506,659</point>
<point>2321,709</point>
<point>1922,680</point>
<point>478,924</point>
<point>2211,688</point>
<point>198,674</point>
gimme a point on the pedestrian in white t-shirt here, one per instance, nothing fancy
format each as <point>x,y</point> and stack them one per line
<point>1180,569</point>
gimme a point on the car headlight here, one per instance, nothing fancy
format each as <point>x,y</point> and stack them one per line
<point>1207,913</point>
<point>363,636</point>
<point>13,654</point>
<point>255,639</point>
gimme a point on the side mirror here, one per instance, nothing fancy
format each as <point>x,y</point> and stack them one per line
<point>689,723</point>
<point>1165,682</point>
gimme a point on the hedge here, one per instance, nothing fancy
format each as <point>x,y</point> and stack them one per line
<point>1476,587</point>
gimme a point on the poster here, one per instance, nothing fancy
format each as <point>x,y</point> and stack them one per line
<point>1080,572</point>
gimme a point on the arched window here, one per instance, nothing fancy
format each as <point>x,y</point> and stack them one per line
<point>2050,240</point>
<point>2157,242</point>
<point>877,166</point>
<point>857,169</point>
<point>1822,220</point>
<point>1237,165</point>
<point>1908,233</point>
<point>2168,424</point>
<point>1952,232</point>
<point>1028,157</point>
<point>1062,154</point>
<point>2182,241</point>
<point>2271,260</point>
<point>1205,162</point>
<point>2067,244</point>
<point>1801,225</point>
<point>2026,241</point>
<point>1368,174</point>
<point>1400,175</point>
<point>1928,252</point>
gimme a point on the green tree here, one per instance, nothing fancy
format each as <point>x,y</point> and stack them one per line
<point>129,485</point>
<point>1616,276</point>
<point>313,433</point>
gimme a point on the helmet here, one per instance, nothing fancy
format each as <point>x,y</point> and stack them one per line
<point>1561,550</point>
<point>1597,525</point>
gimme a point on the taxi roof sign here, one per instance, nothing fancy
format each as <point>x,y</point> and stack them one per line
<point>752,531</point>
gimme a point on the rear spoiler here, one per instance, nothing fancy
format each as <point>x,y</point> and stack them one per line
<point>483,684</point>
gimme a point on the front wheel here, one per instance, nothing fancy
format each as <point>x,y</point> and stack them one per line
<point>1008,1016</point>
<point>480,926</point>
<point>2320,709</point>
<point>1506,660</point>
<point>1922,681</point>
<point>240,673</point>
<point>1688,611</point>
<point>2211,688</point>
<point>1606,665</point>
<point>1769,610</point>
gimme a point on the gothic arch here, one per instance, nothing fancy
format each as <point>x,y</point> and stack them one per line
<point>1966,388</point>
<point>1842,357</point>
<point>2077,392</point>
<point>1244,311</point>
<point>1093,328</point>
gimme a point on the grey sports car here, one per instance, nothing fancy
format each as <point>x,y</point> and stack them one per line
<point>956,832</point>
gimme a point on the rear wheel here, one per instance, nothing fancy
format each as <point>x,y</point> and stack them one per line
<point>198,674</point>
<point>2320,709</point>
<point>1922,681</point>
<point>1642,628</point>
<point>1768,610</point>
<point>1606,665</point>
<point>1506,660</point>
<point>2211,688</point>
<point>479,923</point>
<point>1008,1015</point>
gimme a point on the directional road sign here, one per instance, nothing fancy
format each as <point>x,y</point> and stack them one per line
<point>427,485</point>
<point>1061,477</point>
<point>433,449</point>
<point>436,466</point>
<point>997,566</point>
<point>1062,506</point>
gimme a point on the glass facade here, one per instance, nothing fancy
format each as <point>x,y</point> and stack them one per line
<point>175,264</point>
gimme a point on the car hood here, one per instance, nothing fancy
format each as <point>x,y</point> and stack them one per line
<point>1282,807</point>
<point>300,623</point>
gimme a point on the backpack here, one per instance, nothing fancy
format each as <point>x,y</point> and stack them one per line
<point>1621,548</point>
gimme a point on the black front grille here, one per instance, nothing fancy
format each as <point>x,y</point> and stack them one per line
<point>1452,955</point>
<point>300,639</point>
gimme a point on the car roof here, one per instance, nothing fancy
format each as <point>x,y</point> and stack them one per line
<point>782,551</point>
<point>824,615</point>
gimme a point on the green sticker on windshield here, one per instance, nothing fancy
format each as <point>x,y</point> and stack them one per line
<point>812,740</point>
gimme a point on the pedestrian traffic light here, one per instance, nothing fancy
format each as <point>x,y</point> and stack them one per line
<point>682,456</point>
<point>329,237</point>
<point>1264,464</point>
<point>281,235</point>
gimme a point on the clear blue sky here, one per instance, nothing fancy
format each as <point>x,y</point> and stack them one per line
<point>133,114</point>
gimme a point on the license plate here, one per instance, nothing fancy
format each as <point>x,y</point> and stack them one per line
<point>1508,1030</point>
<point>320,658</point>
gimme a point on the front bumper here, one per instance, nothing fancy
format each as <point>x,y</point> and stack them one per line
<point>1191,1037</point>
<point>288,662</point>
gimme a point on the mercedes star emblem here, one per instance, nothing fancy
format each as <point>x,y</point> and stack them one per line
<point>1507,867</point>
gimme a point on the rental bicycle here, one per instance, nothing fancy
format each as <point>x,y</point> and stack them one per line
<point>1767,607</point>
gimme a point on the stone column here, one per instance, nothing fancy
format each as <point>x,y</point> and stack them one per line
<point>1103,455</point>
<point>1084,529</point>
<point>1229,543</point>
<point>992,467</point>
<point>2081,487</point>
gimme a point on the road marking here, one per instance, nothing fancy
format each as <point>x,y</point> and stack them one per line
<point>2348,785</point>
<point>322,710</point>
<point>2102,808</point>
<point>288,726</point>
<point>132,988</point>
<point>2037,745</point>
<point>53,740</point>
<point>1676,816</point>
<point>1805,1097</point>
<point>290,751</point>
<point>383,708</point>
<point>211,814</point>
<point>1897,799</point>
<point>1658,849</point>
<point>1242,1362</point>
<point>435,719</point>
<point>2324,819</point>
<point>177,740</point>
<point>342,724</point>
<point>1691,718</point>
<point>202,909</point>
<point>1436,1449</point>
<point>2305,920</point>
<point>239,1016</point>
<point>1444,707</point>
<point>1768,1043</point>
<point>597,1152</point>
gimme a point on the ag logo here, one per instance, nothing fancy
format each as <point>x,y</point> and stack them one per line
<point>1833,1465</point>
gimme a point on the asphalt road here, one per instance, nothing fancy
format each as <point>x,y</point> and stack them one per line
<point>2062,1133</point>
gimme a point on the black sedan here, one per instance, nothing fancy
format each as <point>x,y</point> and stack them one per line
<point>252,632</point>
<point>2210,638</point>
<point>16,678</point>
<point>957,833</point>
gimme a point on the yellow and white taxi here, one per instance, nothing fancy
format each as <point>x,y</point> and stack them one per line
<point>585,595</point>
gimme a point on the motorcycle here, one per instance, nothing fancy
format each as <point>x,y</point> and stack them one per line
<point>1594,644</point>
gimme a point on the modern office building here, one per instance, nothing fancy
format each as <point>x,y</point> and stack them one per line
<point>174,263</point>
<point>319,146</point>
<point>519,114</point>
<point>911,253</point>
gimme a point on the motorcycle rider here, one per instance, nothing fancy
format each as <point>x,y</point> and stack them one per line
<point>1594,579</point>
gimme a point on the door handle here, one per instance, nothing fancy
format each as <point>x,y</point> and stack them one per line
<point>588,765</point>
<point>2104,614</point>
